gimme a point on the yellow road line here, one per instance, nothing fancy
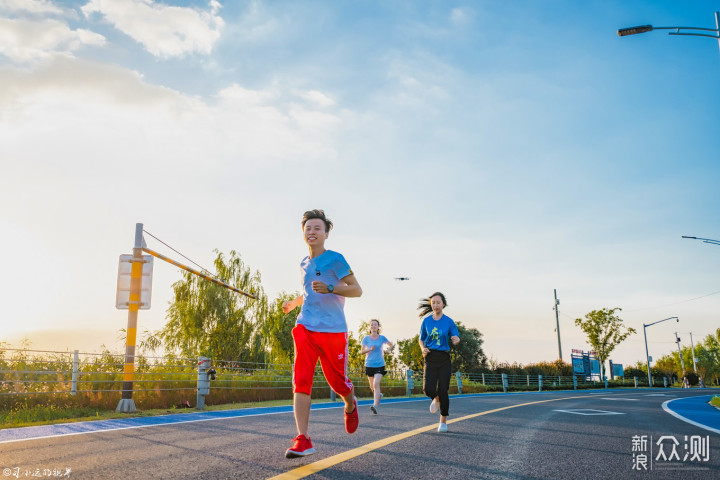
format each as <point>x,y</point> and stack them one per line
<point>306,470</point>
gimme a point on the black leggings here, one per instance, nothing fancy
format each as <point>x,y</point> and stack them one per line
<point>436,381</point>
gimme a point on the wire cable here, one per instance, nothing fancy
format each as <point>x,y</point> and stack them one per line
<point>186,258</point>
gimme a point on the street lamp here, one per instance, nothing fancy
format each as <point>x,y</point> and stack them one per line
<point>647,354</point>
<point>705,240</point>
<point>624,32</point>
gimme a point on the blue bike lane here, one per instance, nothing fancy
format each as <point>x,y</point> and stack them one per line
<point>695,410</point>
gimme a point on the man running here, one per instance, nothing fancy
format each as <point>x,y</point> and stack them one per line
<point>321,331</point>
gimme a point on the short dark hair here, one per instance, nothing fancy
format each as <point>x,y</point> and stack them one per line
<point>310,214</point>
<point>424,306</point>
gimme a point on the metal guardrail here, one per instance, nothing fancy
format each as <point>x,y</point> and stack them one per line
<point>35,372</point>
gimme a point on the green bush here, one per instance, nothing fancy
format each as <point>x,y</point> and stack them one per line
<point>692,377</point>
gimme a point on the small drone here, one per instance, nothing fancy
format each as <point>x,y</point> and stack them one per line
<point>402,279</point>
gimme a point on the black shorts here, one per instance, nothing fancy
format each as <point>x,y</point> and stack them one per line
<point>371,371</point>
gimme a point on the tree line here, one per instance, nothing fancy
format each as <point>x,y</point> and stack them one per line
<point>206,319</point>
<point>707,363</point>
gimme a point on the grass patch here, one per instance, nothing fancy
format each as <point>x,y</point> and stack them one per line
<point>715,401</point>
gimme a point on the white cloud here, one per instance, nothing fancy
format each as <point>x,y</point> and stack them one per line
<point>68,98</point>
<point>30,6</point>
<point>26,40</point>
<point>318,98</point>
<point>165,31</point>
<point>461,16</point>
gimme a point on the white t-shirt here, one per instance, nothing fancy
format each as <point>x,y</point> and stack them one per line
<point>323,312</point>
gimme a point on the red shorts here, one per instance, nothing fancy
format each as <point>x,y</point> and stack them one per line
<point>331,349</point>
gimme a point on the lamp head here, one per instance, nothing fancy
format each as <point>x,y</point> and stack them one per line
<point>624,32</point>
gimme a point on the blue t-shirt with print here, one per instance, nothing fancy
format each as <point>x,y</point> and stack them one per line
<point>375,358</point>
<point>323,312</point>
<point>435,334</point>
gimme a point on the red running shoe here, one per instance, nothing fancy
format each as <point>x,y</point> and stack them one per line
<point>301,446</point>
<point>351,419</point>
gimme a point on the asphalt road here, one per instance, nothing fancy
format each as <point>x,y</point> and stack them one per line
<point>558,435</point>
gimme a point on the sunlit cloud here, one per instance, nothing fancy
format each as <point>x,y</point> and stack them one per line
<point>165,31</point>
<point>30,6</point>
<point>27,40</point>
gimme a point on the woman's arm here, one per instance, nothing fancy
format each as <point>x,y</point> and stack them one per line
<point>424,349</point>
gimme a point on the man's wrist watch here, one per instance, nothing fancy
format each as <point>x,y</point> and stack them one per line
<point>330,288</point>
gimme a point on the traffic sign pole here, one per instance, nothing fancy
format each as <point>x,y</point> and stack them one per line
<point>126,404</point>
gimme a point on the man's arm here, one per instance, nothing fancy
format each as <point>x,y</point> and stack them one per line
<point>351,287</point>
<point>292,304</point>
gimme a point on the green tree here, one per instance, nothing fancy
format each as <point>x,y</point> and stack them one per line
<point>210,320</point>
<point>669,367</point>
<point>468,356</point>
<point>356,361</point>
<point>709,360</point>
<point>605,331</point>
<point>410,354</point>
<point>278,329</point>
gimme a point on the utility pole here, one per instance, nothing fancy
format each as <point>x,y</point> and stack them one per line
<point>682,362</point>
<point>692,350</point>
<point>557,323</point>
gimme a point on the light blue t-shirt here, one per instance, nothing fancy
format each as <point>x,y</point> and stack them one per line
<point>376,358</point>
<point>435,334</point>
<point>323,312</point>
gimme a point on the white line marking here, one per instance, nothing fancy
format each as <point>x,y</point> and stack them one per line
<point>584,411</point>
<point>620,399</point>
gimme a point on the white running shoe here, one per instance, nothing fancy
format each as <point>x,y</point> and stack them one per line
<point>434,405</point>
<point>442,428</point>
<point>381,395</point>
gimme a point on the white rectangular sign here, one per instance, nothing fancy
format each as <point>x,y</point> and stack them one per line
<point>122,298</point>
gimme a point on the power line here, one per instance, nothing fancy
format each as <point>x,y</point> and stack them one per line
<point>659,306</point>
<point>186,258</point>
<point>676,303</point>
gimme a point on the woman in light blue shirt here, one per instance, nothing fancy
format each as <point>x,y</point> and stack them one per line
<point>374,347</point>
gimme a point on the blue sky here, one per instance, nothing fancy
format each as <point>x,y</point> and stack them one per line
<point>491,150</point>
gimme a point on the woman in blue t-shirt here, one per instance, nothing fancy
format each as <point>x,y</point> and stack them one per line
<point>374,347</point>
<point>436,333</point>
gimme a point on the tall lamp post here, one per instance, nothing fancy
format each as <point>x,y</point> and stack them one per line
<point>647,354</point>
<point>705,240</point>
<point>557,324</point>
<point>693,31</point>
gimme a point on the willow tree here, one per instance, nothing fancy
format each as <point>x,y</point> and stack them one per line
<point>210,320</point>
<point>604,331</point>
<point>278,329</point>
